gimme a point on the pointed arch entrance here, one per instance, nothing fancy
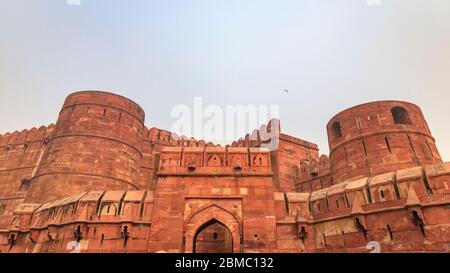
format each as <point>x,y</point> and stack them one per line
<point>203,225</point>
<point>213,237</point>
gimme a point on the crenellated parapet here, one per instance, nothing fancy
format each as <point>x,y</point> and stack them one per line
<point>309,169</point>
<point>266,136</point>
<point>286,152</point>
<point>313,174</point>
<point>22,150</point>
<point>214,160</point>
<point>25,138</point>
<point>155,136</point>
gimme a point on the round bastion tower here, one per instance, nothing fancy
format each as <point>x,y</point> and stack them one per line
<point>379,137</point>
<point>96,146</point>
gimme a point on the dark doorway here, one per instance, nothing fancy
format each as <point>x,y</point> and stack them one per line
<point>213,237</point>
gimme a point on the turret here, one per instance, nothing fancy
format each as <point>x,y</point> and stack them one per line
<point>96,146</point>
<point>379,137</point>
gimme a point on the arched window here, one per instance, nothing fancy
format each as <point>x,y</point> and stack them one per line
<point>313,167</point>
<point>336,128</point>
<point>400,115</point>
<point>214,161</point>
<point>304,167</point>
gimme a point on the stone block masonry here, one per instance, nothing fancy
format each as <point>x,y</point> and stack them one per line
<point>99,179</point>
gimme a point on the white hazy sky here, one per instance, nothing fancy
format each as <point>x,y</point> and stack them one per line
<point>330,55</point>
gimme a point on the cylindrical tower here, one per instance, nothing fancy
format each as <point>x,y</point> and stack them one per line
<point>96,146</point>
<point>379,137</point>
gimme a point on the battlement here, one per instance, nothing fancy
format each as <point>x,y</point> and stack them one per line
<point>167,138</point>
<point>261,136</point>
<point>270,134</point>
<point>27,137</point>
<point>311,169</point>
<point>214,161</point>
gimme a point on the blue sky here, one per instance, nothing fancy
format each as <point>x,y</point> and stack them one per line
<point>330,54</point>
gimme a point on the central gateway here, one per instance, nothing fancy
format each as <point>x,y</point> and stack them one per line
<point>214,199</point>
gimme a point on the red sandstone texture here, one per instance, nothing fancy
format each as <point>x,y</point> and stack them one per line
<point>101,180</point>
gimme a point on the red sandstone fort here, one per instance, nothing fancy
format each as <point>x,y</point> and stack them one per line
<point>99,177</point>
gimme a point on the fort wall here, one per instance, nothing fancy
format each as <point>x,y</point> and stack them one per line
<point>286,152</point>
<point>20,156</point>
<point>102,179</point>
